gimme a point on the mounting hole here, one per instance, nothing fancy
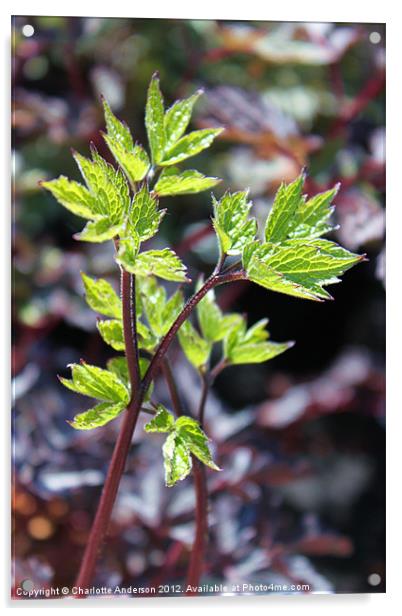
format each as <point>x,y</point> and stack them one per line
<point>374,579</point>
<point>28,30</point>
<point>375,38</point>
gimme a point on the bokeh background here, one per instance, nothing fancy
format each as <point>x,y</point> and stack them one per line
<point>301,438</point>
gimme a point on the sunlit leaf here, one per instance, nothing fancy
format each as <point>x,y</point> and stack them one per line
<point>112,333</point>
<point>232,224</point>
<point>177,459</point>
<point>177,118</point>
<point>101,297</point>
<point>191,144</point>
<point>98,231</point>
<point>131,157</point>
<point>162,263</point>
<point>195,439</point>
<point>155,121</point>
<point>98,416</point>
<point>196,349</point>
<point>144,217</point>
<point>251,346</point>
<point>171,182</point>
<point>159,310</point>
<point>162,422</point>
<point>96,383</point>
<point>73,196</point>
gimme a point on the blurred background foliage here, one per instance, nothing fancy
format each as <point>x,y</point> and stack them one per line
<point>301,439</point>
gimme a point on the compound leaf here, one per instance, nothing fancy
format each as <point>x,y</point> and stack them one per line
<point>287,201</point>
<point>144,217</point>
<point>163,263</point>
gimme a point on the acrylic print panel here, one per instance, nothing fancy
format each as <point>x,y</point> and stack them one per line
<point>164,448</point>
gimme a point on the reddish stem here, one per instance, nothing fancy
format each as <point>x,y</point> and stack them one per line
<point>201,528</point>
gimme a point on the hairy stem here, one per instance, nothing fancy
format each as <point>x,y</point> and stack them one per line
<point>201,507</point>
<point>123,442</point>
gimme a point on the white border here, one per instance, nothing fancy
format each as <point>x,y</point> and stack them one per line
<point>305,10</point>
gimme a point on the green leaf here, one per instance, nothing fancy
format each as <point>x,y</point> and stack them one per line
<point>160,311</point>
<point>287,201</point>
<point>177,118</point>
<point>98,416</point>
<point>311,218</point>
<point>196,349</point>
<point>163,263</point>
<point>98,231</point>
<point>112,333</point>
<point>132,158</point>
<point>101,297</point>
<point>214,324</point>
<point>191,144</point>
<point>252,346</point>
<point>154,120</point>
<point>96,383</point>
<point>299,267</point>
<point>232,224</point>
<point>173,183</point>
<point>144,217</point>
<point>177,459</point>
<point>118,365</point>
<point>108,187</point>
<point>72,196</point>
<point>162,422</point>
<point>195,440</point>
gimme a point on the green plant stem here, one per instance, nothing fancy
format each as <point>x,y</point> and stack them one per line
<point>122,446</point>
<point>201,507</point>
<point>130,328</point>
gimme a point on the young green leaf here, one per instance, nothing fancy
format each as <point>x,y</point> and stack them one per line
<point>171,182</point>
<point>101,297</point>
<point>311,219</point>
<point>195,440</point>
<point>298,267</point>
<point>144,217</point>
<point>196,349</point>
<point>160,311</point>
<point>118,365</point>
<point>190,145</point>
<point>112,333</point>
<point>98,416</point>
<point>98,231</point>
<point>177,459</point>
<point>163,263</point>
<point>162,422</point>
<point>108,187</point>
<point>96,383</point>
<point>177,118</point>
<point>252,346</point>
<point>155,121</point>
<point>73,196</point>
<point>232,224</point>
<point>287,201</point>
<point>213,323</point>
<point>186,438</point>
